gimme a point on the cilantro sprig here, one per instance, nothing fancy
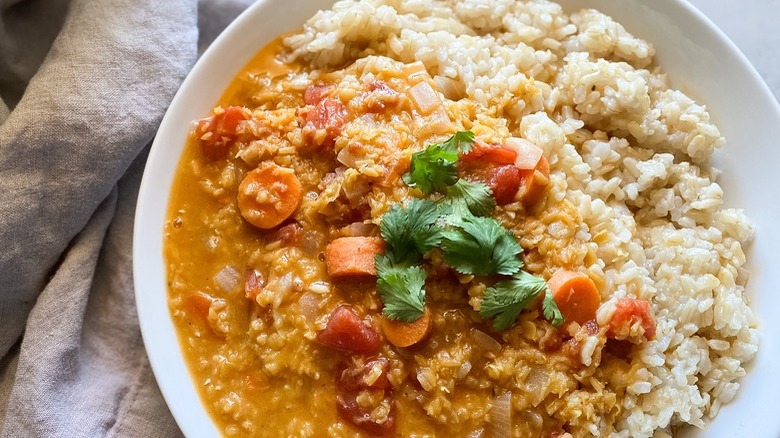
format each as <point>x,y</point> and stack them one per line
<point>410,231</point>
<point>458,223</point>
<point>401,289</point>
<point>481,246</point>
<point>507,298</point>
<point>435,168</point>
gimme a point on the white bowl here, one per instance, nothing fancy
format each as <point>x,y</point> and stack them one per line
<point>700,60</point>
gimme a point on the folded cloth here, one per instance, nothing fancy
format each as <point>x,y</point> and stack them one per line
<point>83,87</point>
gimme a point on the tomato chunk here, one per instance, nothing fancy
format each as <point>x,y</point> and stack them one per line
<point>217,134</point>
<point>314,94</point>
<point>631,320</point>
<point>324,122</point>
<point>253,283</point>
<point>345,331</point>
<point>504,180</point>
<point>491,154</point>
<point>375,415</point>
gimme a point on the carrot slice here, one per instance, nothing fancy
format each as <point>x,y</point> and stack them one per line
<point>268,195</point>
<point>533,183</point>
<point>575,294</point>
<point>405,334</point>
<point>352,255</point>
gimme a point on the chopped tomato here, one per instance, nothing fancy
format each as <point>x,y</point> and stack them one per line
<point>315,93</point>
<point>324,122</point>
<point>504,180</point>
<point>345,331</point>
<point>253,283</point>
<point>492,154</point>
<point>379,96</point>
<point>199,304</point>
<point>632,318</point>
<point>375,415</point>
<point>217,134</point>
<point>288,235</point>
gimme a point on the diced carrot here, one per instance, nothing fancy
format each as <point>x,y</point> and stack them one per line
<point>268,195</point>
<point>575,294</point>
<point>405,334</point>
<point>528,154</point>
<point>352,255</point>
<point>533,183</point>
<point>491,154</point>
<point>628,313</point>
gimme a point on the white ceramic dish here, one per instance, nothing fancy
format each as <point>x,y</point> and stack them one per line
<point>699,59</point>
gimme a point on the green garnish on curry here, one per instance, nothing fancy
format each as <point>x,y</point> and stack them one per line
<point>457,222</point>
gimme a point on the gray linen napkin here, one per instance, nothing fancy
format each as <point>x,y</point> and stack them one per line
<point>87,83</point>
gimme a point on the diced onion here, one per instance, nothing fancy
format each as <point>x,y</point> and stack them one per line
<point>356,229</point>
<point>451,88</point>
<point>355,189</point>
<point>347,158</point>
<point>500,425</point>
<point>415,72</point>
<point>485,341</point>
<point>310,306</point>
<point>227,279</point>
<point>424,97</point>
<point>528,154</point>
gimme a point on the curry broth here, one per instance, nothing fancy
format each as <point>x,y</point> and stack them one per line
<point>261,372</point>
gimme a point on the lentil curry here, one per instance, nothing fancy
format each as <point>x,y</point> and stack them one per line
<point>275,242</point>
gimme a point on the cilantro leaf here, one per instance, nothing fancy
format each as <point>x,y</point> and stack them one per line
<point>506,299</point>
<point>471,197</point>
<point>401,289</point>
<point>435,168</point>
<point>462,141</point>
<point>410,231</point>
<point>432,169</point>
<point>551,310</point>
<point>480,246</point>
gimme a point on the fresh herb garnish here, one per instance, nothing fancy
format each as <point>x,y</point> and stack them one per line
<point>471,241</point>
<point>506,299</point>
<point>410,231</point>
<point>480,246</point>
<point>401,289</point>
<point>470,197</point>
<point>551,310</point>
<point>435,168</point>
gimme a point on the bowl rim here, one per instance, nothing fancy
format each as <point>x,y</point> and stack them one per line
<point>191,413</point>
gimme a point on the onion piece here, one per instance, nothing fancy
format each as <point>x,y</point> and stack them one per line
<point>528,154</point>
<point>347,157</point>
<point>451,88</point>
<point>485,341</point>
<point>309,304</point>
<point>415,72</point>
<point>500,424</point>
<point>358,229</point>
<point>355,189</point>
<point>228,279</point>
<point>424,97</point>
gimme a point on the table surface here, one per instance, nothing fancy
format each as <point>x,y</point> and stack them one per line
<point>753,26</point>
